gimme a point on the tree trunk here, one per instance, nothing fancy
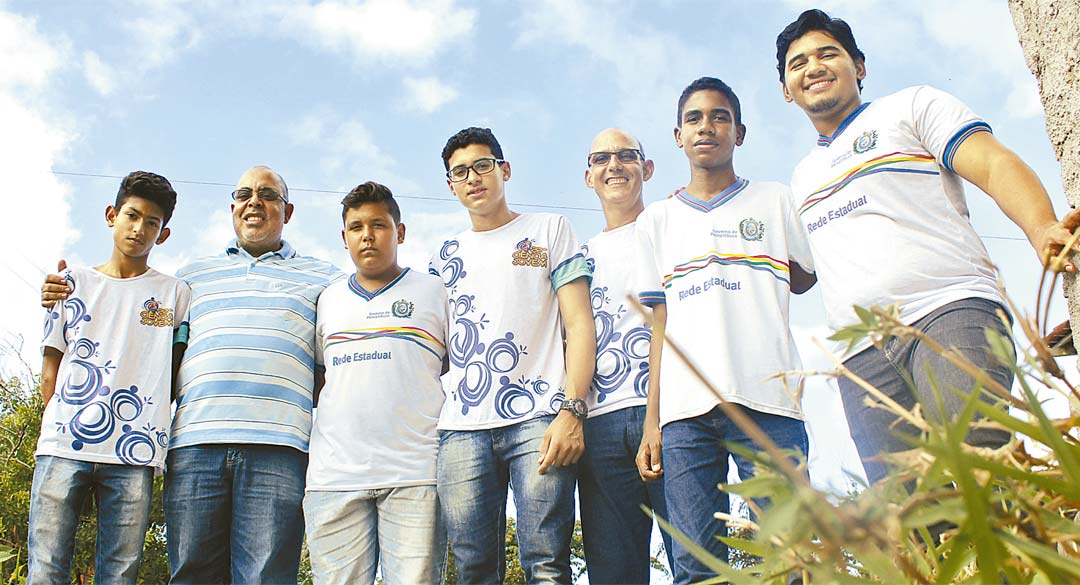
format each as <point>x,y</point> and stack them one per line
<point>1049,32</point>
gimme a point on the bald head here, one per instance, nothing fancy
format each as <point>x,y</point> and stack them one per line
<point>259,217</point>
<point>618,180</point>
<point>614,136</point>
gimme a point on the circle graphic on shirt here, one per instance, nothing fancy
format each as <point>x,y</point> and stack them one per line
<point>474,385</point>
<point>464,342</point>
<point>92,424</point>
<point>75,311</point>
<point>462,305</point>
<point>126,404</point>
<point>513,400</point>
<point>454,268</point>
<point>866,141</point>
<point>751,230</point>
<point>402,308</point>
<point>135,447</point>
<point>612,369</point>
<point>598,296</point>
<point>636,343</point>
<point>84,382</point>
<point>641,380</point>
<point>503,354</point>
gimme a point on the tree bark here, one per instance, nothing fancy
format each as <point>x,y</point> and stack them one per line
<point>1049,32</point>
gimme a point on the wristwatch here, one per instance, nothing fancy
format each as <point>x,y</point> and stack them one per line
<point>577,407</point>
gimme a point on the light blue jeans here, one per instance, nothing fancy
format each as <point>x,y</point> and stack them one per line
<point>232,513</point>
<point>474,469</point>
<point>907,371</point>
<point>123,496</point>
<point>349,533</point>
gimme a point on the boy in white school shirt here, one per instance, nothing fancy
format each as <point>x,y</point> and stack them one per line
<point>107,376</point>
<point>381,342</point>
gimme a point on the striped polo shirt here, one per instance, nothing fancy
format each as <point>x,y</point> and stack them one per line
<point>248,373</point>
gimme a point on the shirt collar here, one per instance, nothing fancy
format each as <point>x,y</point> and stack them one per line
<point>285,252</point>
<point>827,140</point>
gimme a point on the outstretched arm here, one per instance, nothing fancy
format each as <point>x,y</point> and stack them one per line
<point>1017,190</point>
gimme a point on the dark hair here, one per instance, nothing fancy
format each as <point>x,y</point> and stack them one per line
<point>709,84</point>
<point>467,137</point>
<point>149,186</point>
<point>371,192</point>
<point>812,20</point>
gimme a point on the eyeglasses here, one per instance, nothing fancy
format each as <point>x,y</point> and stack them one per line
<point>481,166</point>
<point>266,194</point>
<point>625,156</point>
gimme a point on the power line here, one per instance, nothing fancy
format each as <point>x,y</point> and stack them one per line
<point>327,191</point>
<point>417,197</point>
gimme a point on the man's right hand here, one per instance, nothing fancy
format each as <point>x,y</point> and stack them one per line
<point>56,288</point>
<point>648,456</point>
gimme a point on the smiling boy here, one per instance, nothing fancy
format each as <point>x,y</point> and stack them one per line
<point>881,198</point>
<point>381,341</point>
<point>725,255</point>
<point>515,406</point>
<point>106,380</point>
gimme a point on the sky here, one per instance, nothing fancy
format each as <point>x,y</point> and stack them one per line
<point>333,93</point>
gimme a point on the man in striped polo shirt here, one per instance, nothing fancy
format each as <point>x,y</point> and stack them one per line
<point>238,453</point>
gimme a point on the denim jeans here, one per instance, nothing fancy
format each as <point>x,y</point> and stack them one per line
<point>616,532</point>
<point>232,513</point>
<point>349,533</point>
<point>907,371</point>
<point>474,468</point>
<point>123,496</point>
<point>695,459</point>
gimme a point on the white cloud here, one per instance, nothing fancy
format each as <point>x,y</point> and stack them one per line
<point>99,74</point>
<point>427,94</point>
<point>162,30</point>
<point>36,228</point>
<point>380,29</point>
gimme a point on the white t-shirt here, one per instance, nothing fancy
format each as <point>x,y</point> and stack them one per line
<point>383,353</point>
<point>622,338</point>
<point>112,401</point>
<point>723,269</point>
<point>506,346</point>
<point>886,216</point>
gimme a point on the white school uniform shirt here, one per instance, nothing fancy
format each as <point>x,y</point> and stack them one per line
<point>622,337</point>
<point>113,388</point>
<point>383,352</point>
<point>505,343</point>
<point>723,269</point>
<point>885,213</point>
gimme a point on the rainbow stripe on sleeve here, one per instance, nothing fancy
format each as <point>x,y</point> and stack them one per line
<point>894,162</point>
<point>411,334</point>
<point>779,269</point>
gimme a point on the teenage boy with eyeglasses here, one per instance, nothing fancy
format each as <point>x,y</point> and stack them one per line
<point>884,182</point>
<point>515,406</point>
<point>615,531</point>
<point>725,255</point>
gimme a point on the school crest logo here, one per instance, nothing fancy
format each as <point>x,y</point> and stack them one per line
<point>402,308</point>
<point>154,315</point>
<point>866,141</point>
<point>528,254</point>
<point>752,230</point>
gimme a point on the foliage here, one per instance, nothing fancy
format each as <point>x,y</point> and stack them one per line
<point>948,512</point>
<point>20,424</point>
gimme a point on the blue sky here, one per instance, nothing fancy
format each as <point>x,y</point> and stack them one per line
<point>334,93</point>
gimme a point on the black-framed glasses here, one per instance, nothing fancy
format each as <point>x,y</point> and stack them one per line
<point>480,166</point>
<point>265,194</point>
<point>625,156</point>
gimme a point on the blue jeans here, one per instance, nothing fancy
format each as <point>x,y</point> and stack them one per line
<point>232,513</point>
<point>349,533</point>
<point>123,496</point>
<point>615,530</point>
<point>695,458</point>
<point>474,468</point>
<point>907,371</point>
